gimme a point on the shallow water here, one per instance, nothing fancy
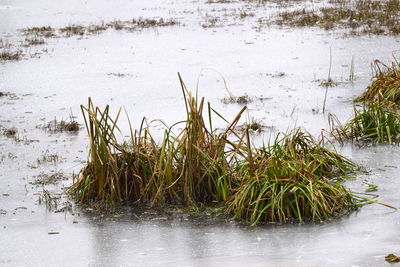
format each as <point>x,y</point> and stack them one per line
<point>55,84</point>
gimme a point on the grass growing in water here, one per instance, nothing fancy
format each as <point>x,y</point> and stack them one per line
<point>362,17</point>
<point>8,55</point>
<point>188,168</point>
<point>373,123</point>
<point>291,179</point>
<point>378,119</point>
<point>385,85</point>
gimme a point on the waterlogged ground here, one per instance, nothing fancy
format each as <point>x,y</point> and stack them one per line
<point>280,68</point>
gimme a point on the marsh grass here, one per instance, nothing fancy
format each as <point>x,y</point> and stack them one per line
<point>291,180</point>
<point>72,29</point>
<point>44,31</point>
<point>56,126</point>
<point>5,44</point>
<point>197,166</point>
<point>392,258</point>
<point>188,168</point>
<point>241,100</point>
<point>7,94</point>
<point>8,132</point>
<point>329,83</point>
<point>385,86</point>
<point>362,17</point>
<point>49,178</point>
<point>80,30</point>
<point>37,36</point>
<point>10,55</point>
<point>47,157</point>
<point>372,123</point>
<point>377,118</point>
<point>253,125</point>
<point>33,41</point>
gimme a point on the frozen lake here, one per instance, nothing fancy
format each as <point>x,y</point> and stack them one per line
<point>138,70</point>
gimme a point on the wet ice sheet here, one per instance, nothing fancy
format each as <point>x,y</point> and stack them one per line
<point>57,83</point>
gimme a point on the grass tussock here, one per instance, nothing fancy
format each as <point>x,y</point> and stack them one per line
<point>9,132</point>
<point>241,100</point>
<point>385,85</point>
<point>47,179</point>
<point>188,168</point>
<point>33,41</point>
<point>292,179</point>
<point>5,44</point>
<point>372,123</point>
<point>253,125</point>
<point>392,258</point>
<point>10,55</point>
<point>55,125</point>
<point>44,31</point>
<point>377,118</point>
<point>37,36</point>
<point>362,17</point>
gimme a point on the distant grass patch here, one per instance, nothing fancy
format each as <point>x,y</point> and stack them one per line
<point>55,125</point>
<point>10,55</point>
<point>362,17</point>
<point>9,132</point>
<point>37,33</point>
<point>241,100</point>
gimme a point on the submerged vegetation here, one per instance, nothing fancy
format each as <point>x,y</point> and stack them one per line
<point>294,179</point>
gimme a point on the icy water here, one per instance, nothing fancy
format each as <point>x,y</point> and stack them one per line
<point>138,70</point>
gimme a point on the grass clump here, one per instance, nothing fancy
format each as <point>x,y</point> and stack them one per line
<point>188,168</point>
<point>33,41</point>
<point>392,258</point>
<point>72,30</point>
<point>9,55</point>
<point>372,123</point>
<point>44,31</point>
<point>291,180</point>
<point>385,85</point>
<point>241,100</point>
<point>9,132</point>
<point>55,125</point>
